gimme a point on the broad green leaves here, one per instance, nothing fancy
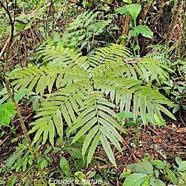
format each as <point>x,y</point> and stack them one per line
<point>7,110</point>
<point>182,166</point>
<point>154,173</point>
<point>144,174</point>
<point>144,31</point>
<point>132,9</point>
<point>64,166</point>
<point>136,179</point>
<point>7,113</point>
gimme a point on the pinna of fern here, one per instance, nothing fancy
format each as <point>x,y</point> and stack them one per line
<point>87,94</point>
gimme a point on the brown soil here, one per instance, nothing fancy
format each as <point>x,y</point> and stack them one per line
<point>163,143</point>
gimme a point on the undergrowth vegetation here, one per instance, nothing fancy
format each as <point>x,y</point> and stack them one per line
<point>75,79</point>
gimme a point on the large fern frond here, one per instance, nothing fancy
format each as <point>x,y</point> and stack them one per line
<point>81,31</point>
<point>87,93</point>
<point>128,93</point>
<point>59,109</point>
<point>83,28</point>
<point>98,121</point>
<point>114,60</point>
<point>45,78</point>
<point>61,56</point>
<point>113,53</point>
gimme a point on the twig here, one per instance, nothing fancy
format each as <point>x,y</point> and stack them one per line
<point>152,130</point>
<point>11,21</point>
<point>5,45</point>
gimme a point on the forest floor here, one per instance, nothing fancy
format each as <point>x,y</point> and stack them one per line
<point>164,143</point>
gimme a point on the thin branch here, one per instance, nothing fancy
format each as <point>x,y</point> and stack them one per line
<point>11,21</point>
<point>5,46</point>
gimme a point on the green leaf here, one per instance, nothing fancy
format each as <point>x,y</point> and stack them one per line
<point>171,175</point>
<point>64,165</point>
<point>84,129</point>
<point>122,10</point>
<point>91,174</point>
<point>144,31</point>
<point>135,179</point>
<point>2,182</point>
<point>108,150</point>
<point>88,139</point>
<point>164,110</point>
<point>80,175</point>
<point>51,130</point>
<point>124,175</point>
<point>74,152</point>
<point>7,113</point>
<point>38,135</point>
<point>127,1</point>
<point>182,166</point>
<point>113,139</point>
<point>19,95</point>
<point>146,182</point>
<point>13,158</point>
<point>147,166</point>
<point>134,10</point>
<point>178,160</point>
<point>159,164</point>
<point>43,163</point>
<point>93,147</point>
<point>156,182</point>
<point>20,26</point>
<point>11,181</point>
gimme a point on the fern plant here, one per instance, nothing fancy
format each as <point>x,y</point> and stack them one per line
<point>85,26</point>
<point>83,93</point>
<point>80,34</point>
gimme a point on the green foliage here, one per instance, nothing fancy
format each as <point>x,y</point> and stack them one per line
<point>7,113</point>
<point>21,159</point>
<point>26,21</point>
<point>77,96</point>
<point>183,68</point>
<point>86,95</point>
<point>122,116</point>
<point>175,85</point>
<point>81,32</point>
<point>7,110</point>
<point>155,172</point>
<point>135,30</point>
<point>61,56</point>
<point>98,119</point>
<point>144,30</point>
<point>132,9</point>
